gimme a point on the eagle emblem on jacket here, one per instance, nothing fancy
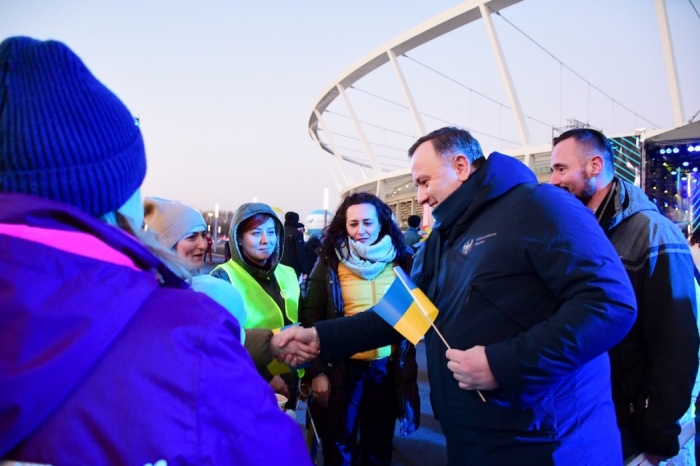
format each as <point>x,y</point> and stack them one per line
<point>467,247</point>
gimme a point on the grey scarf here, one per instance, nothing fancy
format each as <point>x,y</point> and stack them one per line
<point>367,261</point>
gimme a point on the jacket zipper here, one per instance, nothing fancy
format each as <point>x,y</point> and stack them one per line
<point>469,293</point>
<point>616,354</point>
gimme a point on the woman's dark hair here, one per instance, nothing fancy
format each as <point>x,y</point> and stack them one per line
<point>336,235</point>
<point>252,222</point>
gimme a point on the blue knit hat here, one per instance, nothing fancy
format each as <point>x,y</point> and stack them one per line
<point>63,134</point>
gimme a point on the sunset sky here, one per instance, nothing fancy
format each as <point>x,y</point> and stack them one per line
<point>224,88</point>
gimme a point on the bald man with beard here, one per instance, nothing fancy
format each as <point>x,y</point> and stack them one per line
<point>654,367</point>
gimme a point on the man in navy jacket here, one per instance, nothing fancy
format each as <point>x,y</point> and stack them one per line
<point>531,294</point>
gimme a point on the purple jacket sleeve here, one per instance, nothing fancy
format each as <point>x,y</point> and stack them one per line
<point>234,400</point>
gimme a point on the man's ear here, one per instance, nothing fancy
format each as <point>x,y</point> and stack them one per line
<point>461,166</point>
<point>595,165</point>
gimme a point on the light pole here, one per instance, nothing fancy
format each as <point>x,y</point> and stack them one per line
<point>209,216</point>
<point>325,208</point>
<point>216,227</point>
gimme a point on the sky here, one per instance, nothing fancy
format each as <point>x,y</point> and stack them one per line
<point>224,88</point>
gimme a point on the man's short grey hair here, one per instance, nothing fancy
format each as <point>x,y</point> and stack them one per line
<point>449,141</point>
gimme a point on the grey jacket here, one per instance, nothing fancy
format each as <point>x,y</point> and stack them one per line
<point>654,367</point>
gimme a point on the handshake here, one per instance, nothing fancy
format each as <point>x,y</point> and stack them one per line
<point>295,346</point>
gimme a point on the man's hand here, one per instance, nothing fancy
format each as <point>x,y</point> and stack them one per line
<point>294,346</point>
<point>471,369</point>
<point>279,386</point>
<point>321,388</point>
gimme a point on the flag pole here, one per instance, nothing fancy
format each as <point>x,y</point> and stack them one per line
<point>313,424</point>
<point>432,324</point>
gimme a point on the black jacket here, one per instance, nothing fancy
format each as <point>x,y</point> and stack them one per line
<point>655,365</point>
<point>324,302</point>
<point>311,254</point>
<point>294,255</point>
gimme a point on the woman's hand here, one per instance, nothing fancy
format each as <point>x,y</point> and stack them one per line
<point>279,386</point>
<point>321,388</point>
<point>295,346</point>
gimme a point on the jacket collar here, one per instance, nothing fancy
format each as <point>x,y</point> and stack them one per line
<point>627,200</point>
<point>499,174</point>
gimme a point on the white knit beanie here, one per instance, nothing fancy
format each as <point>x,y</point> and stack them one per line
<point>171,220</point>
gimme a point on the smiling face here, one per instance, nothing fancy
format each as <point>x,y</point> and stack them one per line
<point>362,223</point>
<point>259,243</point>
<point>437,177</point>
<point>192,247</point>
<point>572,170</point>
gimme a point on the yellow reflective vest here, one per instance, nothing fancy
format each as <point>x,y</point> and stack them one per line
<point>263,311</point>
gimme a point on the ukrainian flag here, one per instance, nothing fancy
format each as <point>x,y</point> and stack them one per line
<point>406,308</point>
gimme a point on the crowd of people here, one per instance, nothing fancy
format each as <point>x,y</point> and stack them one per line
<point>570,308</point>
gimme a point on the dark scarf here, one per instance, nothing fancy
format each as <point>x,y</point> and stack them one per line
<point>611,205</point>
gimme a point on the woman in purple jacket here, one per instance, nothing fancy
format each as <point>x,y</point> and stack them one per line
<point>106,355</point>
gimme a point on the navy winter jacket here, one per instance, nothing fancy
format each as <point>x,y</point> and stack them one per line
<point>524,270</point>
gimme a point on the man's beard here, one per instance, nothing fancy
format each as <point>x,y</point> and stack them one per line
<point>587,188</point>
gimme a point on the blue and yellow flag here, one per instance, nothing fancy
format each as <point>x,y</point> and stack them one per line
<point>406,308</point>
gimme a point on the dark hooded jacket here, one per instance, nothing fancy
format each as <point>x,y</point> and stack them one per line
<point>324,301</point>
<point>294,251</point>
<point>523,270</point>
<point>258,340</point>
<point>263,276</point>
<point>654,367</point>
<point>311,247</point>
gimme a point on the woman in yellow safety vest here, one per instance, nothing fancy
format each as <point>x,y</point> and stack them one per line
<point>269,289</point>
